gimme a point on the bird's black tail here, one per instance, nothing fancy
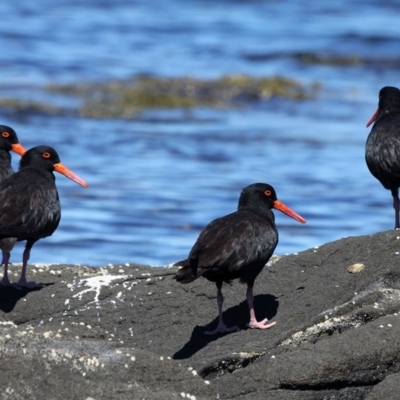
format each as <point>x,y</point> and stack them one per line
<point>188,272</point>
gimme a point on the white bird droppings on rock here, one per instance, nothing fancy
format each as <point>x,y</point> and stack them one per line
<point>95,284</point>
<point>133,358</point>
<point>8,323</point>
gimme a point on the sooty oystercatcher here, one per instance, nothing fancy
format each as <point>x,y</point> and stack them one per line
<point>8,142</point>
<point>29,204</point>
<point>237,245</point>
<point>382,151</point>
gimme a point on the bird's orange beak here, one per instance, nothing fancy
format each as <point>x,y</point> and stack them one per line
<point>62,169</point>
<point>373,118</point>
<point>18,148</point>
<point>288,211</point>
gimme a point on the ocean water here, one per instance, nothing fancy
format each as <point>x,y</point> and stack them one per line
<point>157,180</point>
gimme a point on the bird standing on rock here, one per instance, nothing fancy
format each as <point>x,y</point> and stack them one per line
<point>382,152</point>
<point>237,245</point>
<point>8,142</point>
<point>29,205</point>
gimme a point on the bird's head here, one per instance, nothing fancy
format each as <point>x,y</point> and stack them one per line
<point>46,158</point>
<point>9,140</point>
<point>263,195</point>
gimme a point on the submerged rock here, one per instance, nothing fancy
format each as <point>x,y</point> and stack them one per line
<point>125,99</point>
<point>130,331</point>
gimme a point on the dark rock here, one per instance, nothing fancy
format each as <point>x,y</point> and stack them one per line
<point>133,332</point>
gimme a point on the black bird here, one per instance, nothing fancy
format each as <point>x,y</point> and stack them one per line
<point>29,204</point>
<point>382,151</point>
<point>237,245</point>
<point>8,142</point>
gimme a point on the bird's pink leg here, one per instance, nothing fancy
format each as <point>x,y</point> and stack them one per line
<point>396,207</point>
<point>254,324</point>
<point>221,328</point>
<point>5,281</point>
<point>22,280</point>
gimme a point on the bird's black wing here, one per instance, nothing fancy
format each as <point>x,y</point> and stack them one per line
<point>29,206</point>
<point>233,241</point>
<point>383,149</point>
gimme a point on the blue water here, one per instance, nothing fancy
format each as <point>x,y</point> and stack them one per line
<point>157,180</point>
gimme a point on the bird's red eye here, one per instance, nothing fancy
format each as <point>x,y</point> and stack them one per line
<point>46,154</point>
<point>5,134</point>
<point>268,193</point>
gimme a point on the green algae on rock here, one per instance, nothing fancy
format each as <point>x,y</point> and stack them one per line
<point>331,59</point>
<point>29,106</point>
<point>125,99</point>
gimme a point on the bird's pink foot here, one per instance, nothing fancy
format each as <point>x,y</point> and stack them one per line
<point>261,325</point>
<point>222,328</point>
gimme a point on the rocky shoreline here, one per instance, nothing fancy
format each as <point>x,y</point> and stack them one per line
<point>131,332</point>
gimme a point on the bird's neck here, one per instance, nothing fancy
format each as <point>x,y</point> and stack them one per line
<point>256,208</point>
<point>387,108</point>
<point>5,157</point>
<point>44,172</point>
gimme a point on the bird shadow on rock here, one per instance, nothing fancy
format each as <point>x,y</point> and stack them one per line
<point>10,295</point>
<point>265,305</point>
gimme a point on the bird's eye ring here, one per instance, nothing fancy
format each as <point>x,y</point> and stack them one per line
<point>268,193</point>
<point>5,134</point>
<point>46,154</point>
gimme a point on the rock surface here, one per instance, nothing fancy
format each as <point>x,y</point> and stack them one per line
<point>132,332</point>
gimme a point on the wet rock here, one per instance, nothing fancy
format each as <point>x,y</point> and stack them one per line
<point>130,331</point>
